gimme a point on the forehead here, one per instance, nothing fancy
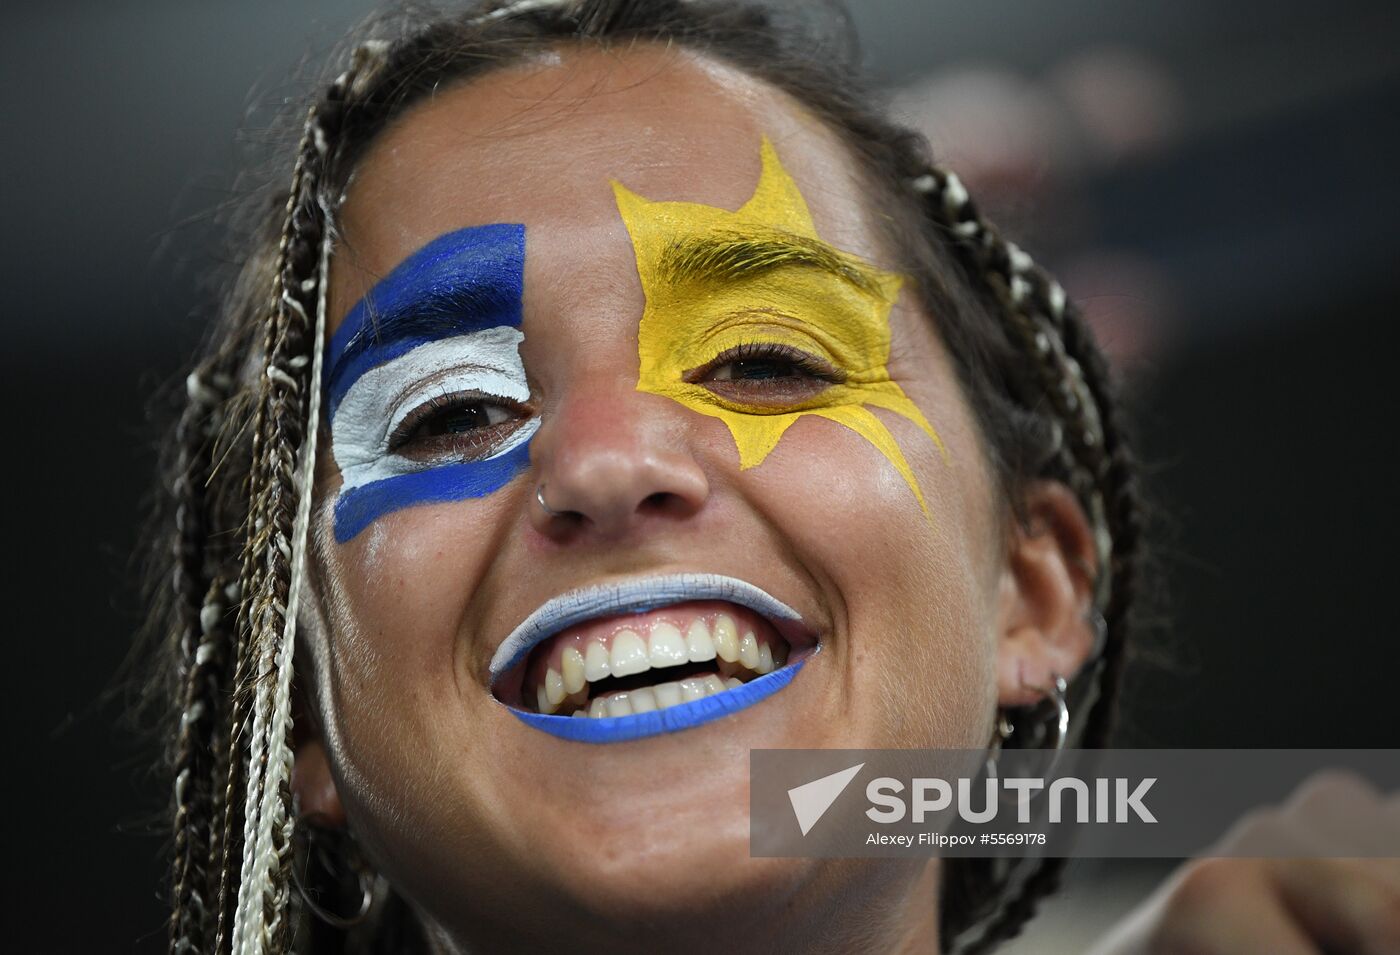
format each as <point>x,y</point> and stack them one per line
<point>540,143</point>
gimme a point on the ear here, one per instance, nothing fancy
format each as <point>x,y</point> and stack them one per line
<point>1046,594</point>
<point>313,786</point>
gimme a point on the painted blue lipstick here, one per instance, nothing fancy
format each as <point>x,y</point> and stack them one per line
<point>639,596</point>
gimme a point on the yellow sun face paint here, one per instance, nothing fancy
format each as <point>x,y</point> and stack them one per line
<point>715,280</point>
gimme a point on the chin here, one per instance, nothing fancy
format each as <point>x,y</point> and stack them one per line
<point>656,861</point>
<point>671,891</point>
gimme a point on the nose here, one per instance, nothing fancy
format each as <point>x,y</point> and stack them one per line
<point>613,459</point>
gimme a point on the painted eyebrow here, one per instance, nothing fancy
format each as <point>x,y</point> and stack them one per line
<point>731,256</point>
<point>461,282</point>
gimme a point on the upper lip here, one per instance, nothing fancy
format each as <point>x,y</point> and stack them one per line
<point>634,595</point>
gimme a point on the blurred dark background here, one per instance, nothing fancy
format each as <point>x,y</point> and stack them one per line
<point>1216,182</point>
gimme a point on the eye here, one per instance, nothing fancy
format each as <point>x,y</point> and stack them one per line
<point>756,369</point>
<point>465,426</point>
<point>766,372</point>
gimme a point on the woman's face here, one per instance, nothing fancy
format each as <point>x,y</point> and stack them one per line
<point>656,289</point>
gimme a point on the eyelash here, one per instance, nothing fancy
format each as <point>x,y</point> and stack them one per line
<point>442,405</point>
<point>770,352</point>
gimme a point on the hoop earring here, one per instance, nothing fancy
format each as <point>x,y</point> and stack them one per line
<point>324,855</point>
<point>539,496</point>
<point>1056,692</point>
<point>1059,725</point>
<point>1001,732</point>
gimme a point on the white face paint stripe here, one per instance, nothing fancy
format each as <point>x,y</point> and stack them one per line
<point>485,362</point>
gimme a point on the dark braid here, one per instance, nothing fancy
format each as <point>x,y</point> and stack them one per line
<point>1124,515</point>
<point>194,626</point>
<point>1028,365</point>
<point>201,596</point>
<point>1093,457</point>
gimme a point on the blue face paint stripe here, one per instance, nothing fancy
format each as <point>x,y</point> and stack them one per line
<point>618,729</point>
<point>358,507</point>
<point>460,282</point>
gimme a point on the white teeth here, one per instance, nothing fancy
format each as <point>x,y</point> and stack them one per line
<point>574,677</point>
<point>595,662</point>
<point>726,638</point>
<point>579,713</point>
<point>765,659</point>
<point>648,698</point>
<point>542,703</point>
<point>659,697</point>
<point>668,647</point>
<point>665,646</point>
<point>554,687</point>
<point>748,651</point>
<point>699,646</point>
<point>629,654</point>
<point>667,694</point>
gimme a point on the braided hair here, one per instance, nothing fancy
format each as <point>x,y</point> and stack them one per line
<point>244,448</point>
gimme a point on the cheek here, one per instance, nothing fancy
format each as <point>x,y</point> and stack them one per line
<point>396,599</point>
<point>400,591</point>
<point>914,650</point>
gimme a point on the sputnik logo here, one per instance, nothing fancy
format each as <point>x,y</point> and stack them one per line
<point>810,801</point>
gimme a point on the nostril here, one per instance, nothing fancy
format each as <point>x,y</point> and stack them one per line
<point>666,503</point>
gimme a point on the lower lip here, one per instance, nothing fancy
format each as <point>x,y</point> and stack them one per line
<point>673,719</point>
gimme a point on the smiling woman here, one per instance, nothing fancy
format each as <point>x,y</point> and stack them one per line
<point>629,396</point>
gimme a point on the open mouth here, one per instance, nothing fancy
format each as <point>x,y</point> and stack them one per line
<point>648,656</point>
<point>625,665</point>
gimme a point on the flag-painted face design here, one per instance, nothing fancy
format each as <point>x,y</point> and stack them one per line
<point>424,382</point>
<point>759,284</point>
